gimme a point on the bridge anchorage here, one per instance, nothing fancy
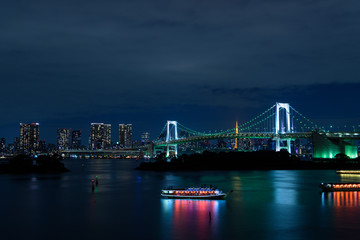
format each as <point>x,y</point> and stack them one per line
<point>281,124</point>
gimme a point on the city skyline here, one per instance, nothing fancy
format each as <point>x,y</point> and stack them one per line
<point>84,138</point>
<point>107,107</point>
<point>205,64</point>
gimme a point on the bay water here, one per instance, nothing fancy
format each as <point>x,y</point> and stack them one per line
<point>126,204</point>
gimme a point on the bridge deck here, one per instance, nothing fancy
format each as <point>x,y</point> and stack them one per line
<point>257,135</point>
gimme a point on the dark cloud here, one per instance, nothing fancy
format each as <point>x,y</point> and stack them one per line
<point>79,61</point>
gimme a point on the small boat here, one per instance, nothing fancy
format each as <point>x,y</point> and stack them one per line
<point>355,172</point>
<point>194,193</point>
<point>335,187</point>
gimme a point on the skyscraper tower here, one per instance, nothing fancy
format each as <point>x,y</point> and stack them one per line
<point>63,138</point>
<point>100,136</point>
<point>125,135</point>
<point>2,145</point>
<point>76,139</point>
<point>107,135</point>
<point>17,145</point>
<point>29,137</point>
<point>145,138</point>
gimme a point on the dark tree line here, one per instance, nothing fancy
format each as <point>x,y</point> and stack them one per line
<point>27,164</point>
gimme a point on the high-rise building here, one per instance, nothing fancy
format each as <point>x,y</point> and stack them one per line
<point>145,138</point>
<point>3,149</point>
<point>2,145</point>
<point>11,148</point>
<point>29,137</point>
<point>76,139</point>
<point>63,138</point>
<point>100,136</point>
<point>125,134</point>
<point>16,145</point>
<point>51,147</point>
<point>42,146</point>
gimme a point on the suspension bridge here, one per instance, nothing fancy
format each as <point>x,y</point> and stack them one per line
<point>281,123</point>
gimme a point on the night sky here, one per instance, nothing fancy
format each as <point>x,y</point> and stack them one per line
<point>205,64</point>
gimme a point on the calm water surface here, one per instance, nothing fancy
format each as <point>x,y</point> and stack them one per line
<point>127,205</point>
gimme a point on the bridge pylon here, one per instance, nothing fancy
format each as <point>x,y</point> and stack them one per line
<point>280,122</point>
<point>171,127</point>
<point>236,132</point>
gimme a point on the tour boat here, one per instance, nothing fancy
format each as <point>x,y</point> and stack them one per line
<point>334,187</point>
<point>194,193</point>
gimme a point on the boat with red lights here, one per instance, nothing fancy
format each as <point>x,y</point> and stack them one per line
<point>194,193</point>
<point>335,187</point>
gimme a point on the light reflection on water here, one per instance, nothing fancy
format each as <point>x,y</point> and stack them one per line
<point>126,204</point>
<point>350,177</point>
<point>345,212</point>
<point>191,218</point>
<point>341,199</point>
<point>285,192</point>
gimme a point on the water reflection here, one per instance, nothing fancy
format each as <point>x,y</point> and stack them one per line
<point>345,210</point>
<point>350,177</point>
<point>341,199</point>
<point>190,219</point>
<point>285,185</point>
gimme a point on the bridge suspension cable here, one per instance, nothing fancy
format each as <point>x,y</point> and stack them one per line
<point>188,130</point>
<point>310,125</point>
<point>263,118</point>
<point>196,133</point>
<point>259,119</point>
<point>161,133</point>
<point>243,126</point>
<point>256,123</point>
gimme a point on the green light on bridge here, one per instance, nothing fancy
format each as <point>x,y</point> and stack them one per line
<point>350,151</point>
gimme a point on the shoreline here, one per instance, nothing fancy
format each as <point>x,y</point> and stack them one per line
<point>22,164</point>
<point>260,160</point>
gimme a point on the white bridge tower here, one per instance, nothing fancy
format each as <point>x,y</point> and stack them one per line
<point>171,134</point>
<point>281,130</point>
